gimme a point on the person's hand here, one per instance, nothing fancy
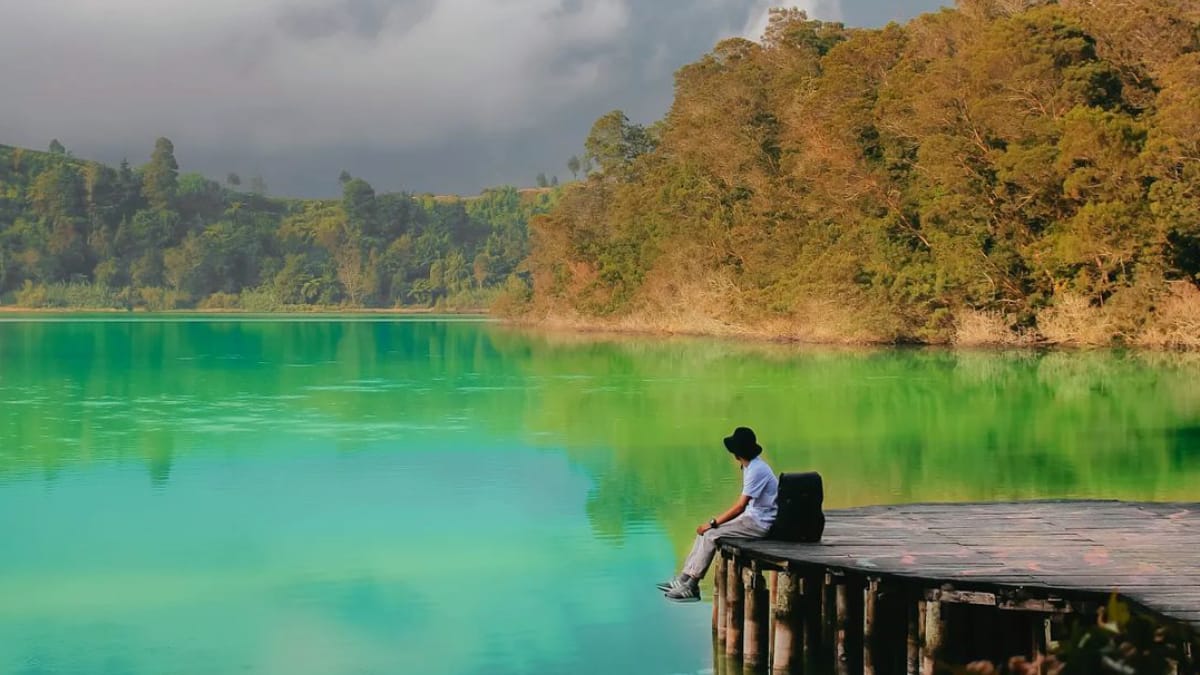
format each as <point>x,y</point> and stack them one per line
<point>703,528</point>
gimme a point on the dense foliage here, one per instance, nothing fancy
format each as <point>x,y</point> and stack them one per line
<point>1009,170</point>
<point>81,234</point>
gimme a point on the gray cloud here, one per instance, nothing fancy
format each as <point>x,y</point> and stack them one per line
<point>366,19</point>
<point>440,95</point>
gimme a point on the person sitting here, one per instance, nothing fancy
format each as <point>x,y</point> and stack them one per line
<point>751,516</point>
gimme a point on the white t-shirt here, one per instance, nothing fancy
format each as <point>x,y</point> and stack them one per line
<point>761,486</point>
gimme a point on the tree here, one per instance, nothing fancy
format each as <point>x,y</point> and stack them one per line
<point>573,165</point>
<point>160,177</point>
<point>345,177</point>
<point>233,180</point>
<point>554,181</point>
<point>57,148</point>
<point>358,201</point>
<point>542,181</point>
<point>1002,159</point>
<point>64,221</point>
<point>258,186</point>
<point>615,142</point>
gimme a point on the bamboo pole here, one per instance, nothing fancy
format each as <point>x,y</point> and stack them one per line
<point>774,594</point>
<point>841,659</point>
<point>754,638</point>
<point>734,608</point>
<point>828,621</point>
<point>719,660</point>
<point>785,653</point>
<point>870,639</point>
<point>811,608</point>
<point>719,597</point>
<point>916,635</point>
<point>934,631</point>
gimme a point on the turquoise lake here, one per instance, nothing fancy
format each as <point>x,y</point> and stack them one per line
<point>329,495</point>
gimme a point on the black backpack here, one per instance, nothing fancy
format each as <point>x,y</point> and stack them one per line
<point>800,517</point>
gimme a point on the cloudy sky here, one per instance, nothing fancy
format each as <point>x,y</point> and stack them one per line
<point>420,95</point>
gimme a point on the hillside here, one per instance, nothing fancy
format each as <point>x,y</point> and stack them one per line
<point>1003,172</point>
<point>79,234</point>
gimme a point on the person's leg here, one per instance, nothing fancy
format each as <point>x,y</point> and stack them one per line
<point>682,579</point>
<point>705,548</point>
<point>698,551</point>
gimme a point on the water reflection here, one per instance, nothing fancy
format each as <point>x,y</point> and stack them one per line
<point>284,473</point>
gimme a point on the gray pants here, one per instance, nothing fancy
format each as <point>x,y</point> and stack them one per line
<point>705,547</point>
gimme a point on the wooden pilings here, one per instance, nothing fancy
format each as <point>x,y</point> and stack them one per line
<point>719,597</point>
<point>825,653</point>
<point>786,648</point>
<point>756,629</point>
<point>814,585</point>
<point>912,612</point>
<point>870,641</point>
<point>844,627</point>
<point>769,618</point>
<point>734,608</point>
<point>932,632</point>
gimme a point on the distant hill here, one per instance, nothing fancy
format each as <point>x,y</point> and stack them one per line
<point>80,234</point>
<point>1004,172</point>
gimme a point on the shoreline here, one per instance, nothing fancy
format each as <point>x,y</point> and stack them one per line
<point>584,328</point>
<point>403,311</point>
<point>765,336</point>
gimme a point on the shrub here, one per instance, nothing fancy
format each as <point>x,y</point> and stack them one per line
<point>261,299</point>
<point>32,295</point>
<point>220,301</point>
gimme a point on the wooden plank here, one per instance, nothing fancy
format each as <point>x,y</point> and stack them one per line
<point>961,597</point>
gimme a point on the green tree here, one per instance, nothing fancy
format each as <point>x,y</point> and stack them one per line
<point>574,165</point>
<point>160,177</point>
<point>615,142</point>
<point>358,201</point>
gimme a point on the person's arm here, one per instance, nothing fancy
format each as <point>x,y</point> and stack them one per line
<point>734,511</point>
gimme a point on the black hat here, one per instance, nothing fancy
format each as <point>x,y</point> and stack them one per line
<point>743,443</point>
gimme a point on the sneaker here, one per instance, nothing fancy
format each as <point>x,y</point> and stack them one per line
<point>670,584</point>
<point>684,593</point>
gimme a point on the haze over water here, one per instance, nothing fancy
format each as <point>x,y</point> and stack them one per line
<point>346,495</point>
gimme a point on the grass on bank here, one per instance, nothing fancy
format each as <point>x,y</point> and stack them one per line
<point>263,299</point>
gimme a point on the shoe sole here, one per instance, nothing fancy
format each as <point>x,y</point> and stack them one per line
<point>687,599</point>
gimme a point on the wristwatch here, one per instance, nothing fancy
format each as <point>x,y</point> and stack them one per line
<point>712,522</point>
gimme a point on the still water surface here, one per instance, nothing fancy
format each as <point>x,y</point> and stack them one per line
<point>336,495</point>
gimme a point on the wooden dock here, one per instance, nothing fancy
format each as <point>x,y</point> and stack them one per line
<point>889,587</point>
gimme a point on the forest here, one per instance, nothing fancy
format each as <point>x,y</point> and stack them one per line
<point>82,235</point>
<point>1003,172</point>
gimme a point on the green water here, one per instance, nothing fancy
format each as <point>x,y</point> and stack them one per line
<point>326,496</point>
